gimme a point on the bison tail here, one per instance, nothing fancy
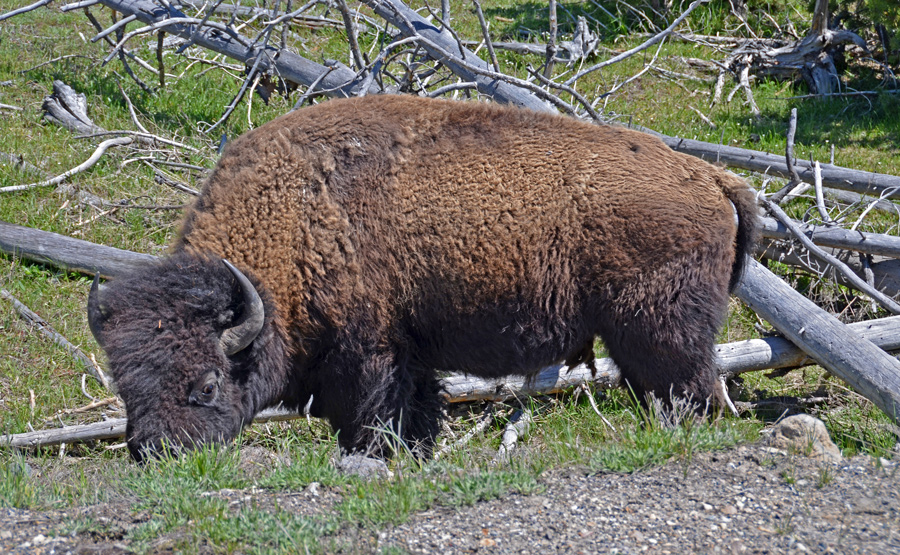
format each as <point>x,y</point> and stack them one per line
<point>747,214</point>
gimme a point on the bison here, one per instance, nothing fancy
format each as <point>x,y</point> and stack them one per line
<point>342,255</point>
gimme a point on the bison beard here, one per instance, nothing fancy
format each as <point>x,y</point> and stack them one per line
<point>382,239</point>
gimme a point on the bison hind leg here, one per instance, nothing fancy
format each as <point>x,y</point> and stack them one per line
<point>664,343</point>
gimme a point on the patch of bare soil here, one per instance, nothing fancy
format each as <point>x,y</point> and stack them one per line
<point>752,499</point>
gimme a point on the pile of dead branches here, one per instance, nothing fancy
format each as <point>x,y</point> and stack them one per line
<point>419,52</point>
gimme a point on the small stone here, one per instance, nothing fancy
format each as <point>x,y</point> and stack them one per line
<point>802,433</point>
<point>638,537</point>
<point>365,467</point>
<point>729,510</point>
<point>487,542</point>
<point>313,489</point>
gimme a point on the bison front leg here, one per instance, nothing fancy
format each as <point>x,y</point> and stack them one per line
<point>396,406</point>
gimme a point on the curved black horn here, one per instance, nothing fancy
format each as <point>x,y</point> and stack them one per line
<point>236,339</point>
<point>97,313</point>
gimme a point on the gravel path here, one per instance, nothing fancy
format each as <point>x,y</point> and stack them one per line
<point>752,499</point>
<point>740,501</point>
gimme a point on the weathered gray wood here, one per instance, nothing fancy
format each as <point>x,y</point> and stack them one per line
<point>836,237</point>
<point>846,272</point>
<point>886,271</point>
<point>114,428</point>
<point>732,359</point>
<point>79,255</point>
<point>873,184</point>
<point>461,388</point>
<point>837,348</point>
<point>849,197</point>
<point>811,58</point>
<point>65,252</point>
<point>35,320</point>
<point>411,23</point>
<point>777,352</point>
<point>339,81</point>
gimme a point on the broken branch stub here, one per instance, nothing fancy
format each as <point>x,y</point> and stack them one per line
<point>66,108</point>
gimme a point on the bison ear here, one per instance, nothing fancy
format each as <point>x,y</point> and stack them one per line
<point>238,337</point>
<point>98,313</point>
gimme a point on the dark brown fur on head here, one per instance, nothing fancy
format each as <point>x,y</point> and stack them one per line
<point>396,236</point>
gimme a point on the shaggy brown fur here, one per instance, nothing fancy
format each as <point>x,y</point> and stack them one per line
<point>397,235</point>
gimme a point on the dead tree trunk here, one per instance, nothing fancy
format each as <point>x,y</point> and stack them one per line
<point>811,58</point>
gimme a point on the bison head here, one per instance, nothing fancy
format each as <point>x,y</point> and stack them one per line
<point>184,340</point>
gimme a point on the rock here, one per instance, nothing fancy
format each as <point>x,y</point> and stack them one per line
<point>365,467</point>
<point>258,460</point>
<point>805,434</point>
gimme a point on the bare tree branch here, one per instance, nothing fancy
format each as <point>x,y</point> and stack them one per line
<point>24,9</point>
<point>645,45</point>
<point>87,164</point>
<point>45,328</point>
<point>885,301</point>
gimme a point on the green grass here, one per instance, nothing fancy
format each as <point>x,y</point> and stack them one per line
<point>17,489</point>
<point>179,499</point>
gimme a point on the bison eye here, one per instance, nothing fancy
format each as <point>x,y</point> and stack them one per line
<point>204,393</point>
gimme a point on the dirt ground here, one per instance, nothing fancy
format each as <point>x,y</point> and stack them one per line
<point>751,499</point>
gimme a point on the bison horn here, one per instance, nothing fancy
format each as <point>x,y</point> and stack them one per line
<point>97,312</point>
<point>236,339</point>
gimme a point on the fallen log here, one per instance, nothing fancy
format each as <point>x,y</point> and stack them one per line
<point>733,359</point>
<point>837,177</point>
<point>340,81</point>
<point>451,53</point>
<point>812,57</point>
<point>885,271</point>
<point>114,428</point>
<point>836,238</point>
<point>836,347</point>
<point>66,252</point>
<point>845,271</point>
<point>82,256</point>
<point>286,64</point>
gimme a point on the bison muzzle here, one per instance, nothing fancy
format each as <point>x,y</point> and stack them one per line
<point>374,242</point>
